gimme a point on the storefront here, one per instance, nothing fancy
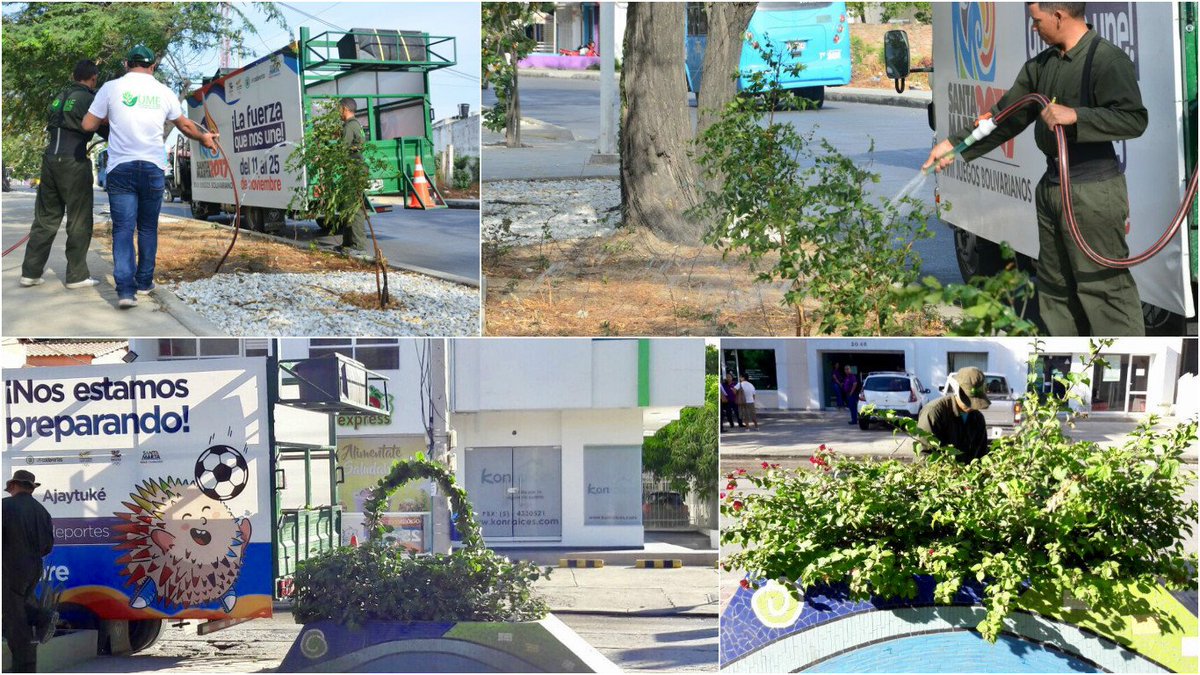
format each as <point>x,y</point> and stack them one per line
<point>797,373</point>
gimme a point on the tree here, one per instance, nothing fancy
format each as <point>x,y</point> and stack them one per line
<point>44,40</point>
<point>658,175</point>
<point>505,43</point>
<point>685,451</point>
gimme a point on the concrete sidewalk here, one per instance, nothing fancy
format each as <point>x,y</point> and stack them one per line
<point>621,591</point>
<point>551,152</point>
<point>51,310</point>
<point>795,435</point>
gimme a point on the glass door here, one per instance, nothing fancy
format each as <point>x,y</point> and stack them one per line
<point>516,491</point>
<point>1110,383</point>
<point>1139,377</point>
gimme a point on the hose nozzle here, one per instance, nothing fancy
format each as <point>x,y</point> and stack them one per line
<point>983,126</point>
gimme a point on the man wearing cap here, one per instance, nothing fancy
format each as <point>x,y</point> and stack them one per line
<point>28,537</point>
<point>955,419</point>
<point>354,233</point>
<point>136,107</point>
<point>65,185</point>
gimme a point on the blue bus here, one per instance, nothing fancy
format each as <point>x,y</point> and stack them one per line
<point>814,34</point>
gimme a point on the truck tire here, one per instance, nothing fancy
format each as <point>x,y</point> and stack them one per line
<point>144,633</point>
<point>254,219</point>
<point>325,228</point>
<point>201,210</point>
<point>977,257</point>
<point>168,195</point>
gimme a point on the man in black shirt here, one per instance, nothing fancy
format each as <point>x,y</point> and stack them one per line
<point>28,537</point>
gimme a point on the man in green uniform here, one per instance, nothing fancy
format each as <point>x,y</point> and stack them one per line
<point>66,185</point>
<point>955,419</point>
<point>354,234</point>
<point>28,537</point>
<point>1096,99</point>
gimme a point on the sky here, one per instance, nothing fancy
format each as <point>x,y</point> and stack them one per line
<point>460,20</point>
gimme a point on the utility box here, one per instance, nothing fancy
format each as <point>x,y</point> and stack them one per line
<point>332,382</point>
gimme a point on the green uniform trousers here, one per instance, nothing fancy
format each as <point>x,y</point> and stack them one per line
<point>66,185</point>
<point>354,233</point>
<point>1076,296</point>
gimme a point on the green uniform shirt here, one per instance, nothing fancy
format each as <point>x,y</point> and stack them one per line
<point>1116,111</point>
<point>943,419</point>
<point>352,135</point>
<point>65,121</point>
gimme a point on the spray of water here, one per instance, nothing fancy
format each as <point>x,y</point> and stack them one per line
<point>898,207</point>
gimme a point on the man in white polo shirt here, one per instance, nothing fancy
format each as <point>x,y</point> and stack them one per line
<point>136,107</point>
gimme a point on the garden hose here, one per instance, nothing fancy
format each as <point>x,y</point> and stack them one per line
<point>987,124</point>
<point>237,198</point>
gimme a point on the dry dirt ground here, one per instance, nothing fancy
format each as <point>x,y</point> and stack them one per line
<point>627,283</point>
<point>868,61</point>
<point>189,250</point>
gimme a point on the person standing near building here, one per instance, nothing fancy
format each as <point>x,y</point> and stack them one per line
<point>28,533</point>
<point>838,394</point>
<point>746,392</point>
<point>850,392</point>
<point>65,185</point>
<point>729,407</point>
<point>354,232</point>
<point>1095,98</point>
<point>955,419</point>
<point>136,107</point>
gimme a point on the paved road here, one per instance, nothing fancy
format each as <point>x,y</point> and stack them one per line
<point>901,137</point>
<point>445,240</point>
<point>672,644</point>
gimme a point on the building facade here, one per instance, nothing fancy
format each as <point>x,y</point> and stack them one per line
<point>1142,375</point>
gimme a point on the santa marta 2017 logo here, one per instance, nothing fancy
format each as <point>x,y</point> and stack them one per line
<point>975,40</point>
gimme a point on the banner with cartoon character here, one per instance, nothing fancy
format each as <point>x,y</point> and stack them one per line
<point>157,477</point>
<point>257,111</point>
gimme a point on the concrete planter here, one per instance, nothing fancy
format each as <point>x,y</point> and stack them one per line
<point>546,646</point>
<point>62,652</point>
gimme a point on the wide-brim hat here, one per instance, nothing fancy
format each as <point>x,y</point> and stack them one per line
<point>23,476</point>
<point>971,388</point>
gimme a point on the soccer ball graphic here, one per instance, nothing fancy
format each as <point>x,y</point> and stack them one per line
<point>222,472</point>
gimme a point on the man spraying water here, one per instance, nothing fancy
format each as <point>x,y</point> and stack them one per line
<point>1095,99</point>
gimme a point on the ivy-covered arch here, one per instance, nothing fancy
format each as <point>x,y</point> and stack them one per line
<point>421,468</point>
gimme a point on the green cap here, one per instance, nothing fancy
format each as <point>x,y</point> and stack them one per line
<point>971,390</point>
<point>140,54</point>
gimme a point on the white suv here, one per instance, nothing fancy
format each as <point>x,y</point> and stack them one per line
<point>901,392</point>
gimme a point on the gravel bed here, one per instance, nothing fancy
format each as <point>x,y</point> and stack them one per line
<point>559,209</point>
<point>309,304</point>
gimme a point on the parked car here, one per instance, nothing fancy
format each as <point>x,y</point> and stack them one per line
<point>900,392</point>
<point>666,508</point>
<point>1004,413</point>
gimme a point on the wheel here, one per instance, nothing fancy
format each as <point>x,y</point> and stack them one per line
<point>144,633</point>
<point>274,219</point>
<point>325,228</point>
<point>254,219</point>
<point>201,210</point>
<point>864,423</point>
<point>977,257</point>
<point>168,196</point>
<point>814,95</point>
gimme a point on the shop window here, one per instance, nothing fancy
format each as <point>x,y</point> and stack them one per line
<point>198,348</point>
<point>374,353</point>
<point>757,364</point>
<point>956,361</point>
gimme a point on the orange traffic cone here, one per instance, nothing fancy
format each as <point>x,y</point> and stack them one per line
<point>420,187</point>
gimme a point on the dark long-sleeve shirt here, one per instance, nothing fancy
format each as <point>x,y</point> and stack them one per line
<point>943,419</point>
<point>28,535</point>
<point>1116,111</point>
<point>65,121</point>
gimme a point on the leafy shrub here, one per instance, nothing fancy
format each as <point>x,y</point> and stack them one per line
<point>1041,511</point>
<point>466,171</point>
<point>375,582</point>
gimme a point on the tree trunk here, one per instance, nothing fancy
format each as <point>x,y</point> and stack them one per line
<point>727,22</point>
<point>658,176</point>
<point>512,115</point>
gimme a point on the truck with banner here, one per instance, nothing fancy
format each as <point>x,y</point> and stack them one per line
<point>978,49</point>
<point>262,109</point>
<point>180,490</point>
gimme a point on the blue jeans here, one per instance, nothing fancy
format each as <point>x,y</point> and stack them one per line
<point>135,191</point>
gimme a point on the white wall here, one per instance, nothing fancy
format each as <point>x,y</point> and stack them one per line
<point>463,134</point>
<point>571,430</point>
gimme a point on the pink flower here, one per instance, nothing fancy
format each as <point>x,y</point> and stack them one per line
<point>745,583</point>
<point>766,465</point>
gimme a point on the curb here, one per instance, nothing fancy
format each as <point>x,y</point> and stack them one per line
<point>444,276</point>
<point>563,74</point>
<point>463,203</point>
<point>172,304</point>
<point>881,98</point>
<point>699,614</point>
<point>658,564</point>
<point>593,563</point>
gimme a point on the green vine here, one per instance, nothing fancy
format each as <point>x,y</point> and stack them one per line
<point>420,468</point>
